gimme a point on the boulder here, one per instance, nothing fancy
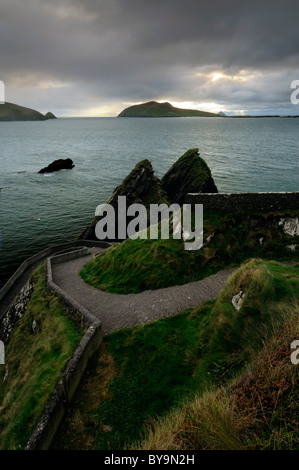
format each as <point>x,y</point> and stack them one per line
<point>61,164</point>
<point>189,174</point>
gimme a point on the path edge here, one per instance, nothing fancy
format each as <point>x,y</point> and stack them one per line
<point>58,403</point>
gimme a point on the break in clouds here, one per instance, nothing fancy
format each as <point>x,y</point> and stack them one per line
<point>95,57</point>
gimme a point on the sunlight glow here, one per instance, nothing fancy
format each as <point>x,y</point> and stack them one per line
<point>216,76</point>
<point>242,76</point>
<point>210,107</point>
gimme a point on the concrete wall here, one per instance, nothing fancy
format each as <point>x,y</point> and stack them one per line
<point>261,202</point>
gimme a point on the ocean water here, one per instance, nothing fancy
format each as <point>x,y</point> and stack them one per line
<point>245,155</point>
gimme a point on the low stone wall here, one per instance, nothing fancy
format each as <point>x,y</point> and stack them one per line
<point>261,202</point>
<point>7,293</point>
<point>54,411</point>
<point>15,312</point>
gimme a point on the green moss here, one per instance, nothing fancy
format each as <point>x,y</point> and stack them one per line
<point>149,192</point>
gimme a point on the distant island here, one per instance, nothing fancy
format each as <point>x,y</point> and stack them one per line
<point>154,109</point>
<point>14,112</point>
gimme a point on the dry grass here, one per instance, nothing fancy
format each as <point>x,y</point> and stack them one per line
<point>258,410</point>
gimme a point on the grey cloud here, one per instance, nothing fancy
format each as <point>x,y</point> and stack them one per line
<point>133,50</point>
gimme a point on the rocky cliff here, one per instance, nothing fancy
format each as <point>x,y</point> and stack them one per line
<point>189,174</point>
<point>141,186</point>
<point>57,165</point>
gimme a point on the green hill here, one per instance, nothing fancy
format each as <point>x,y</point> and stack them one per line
<point>154,109</point>
<point>14,112</point>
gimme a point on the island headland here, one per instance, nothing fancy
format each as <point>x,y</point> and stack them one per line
<point>14,112</point>
<point>155,109</point>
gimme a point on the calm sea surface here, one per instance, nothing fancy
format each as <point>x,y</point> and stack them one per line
<point>244,155</point>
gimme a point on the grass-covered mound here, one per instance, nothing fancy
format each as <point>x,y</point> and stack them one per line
<point>35,357</point>
<point>175,365</point>
<point>229,239</point>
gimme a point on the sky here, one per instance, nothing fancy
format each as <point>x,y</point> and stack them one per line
<point>96,57</point>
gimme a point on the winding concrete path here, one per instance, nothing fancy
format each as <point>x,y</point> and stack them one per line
<point>118,311</point>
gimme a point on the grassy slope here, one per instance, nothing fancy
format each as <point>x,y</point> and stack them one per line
<point>147,370</point>
<point>154,109</point>
<point>137,265</point>
<point>258,410</point>
<point>34,361</point>
<point>14,112</point>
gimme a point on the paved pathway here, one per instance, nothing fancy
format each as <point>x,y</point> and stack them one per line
<point>118,311</point>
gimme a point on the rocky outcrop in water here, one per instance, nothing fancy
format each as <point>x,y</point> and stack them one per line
<point>61,164</point>
<point>50,115</point>
<point>189,174</point>
<point>141,186</point>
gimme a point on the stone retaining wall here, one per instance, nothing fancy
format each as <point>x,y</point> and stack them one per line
<point>53,413</point>
<point>7,290</point>
<point>15,312</point>
<point>261,202</point>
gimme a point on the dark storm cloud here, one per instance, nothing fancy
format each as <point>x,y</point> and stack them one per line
<point>133,50</point>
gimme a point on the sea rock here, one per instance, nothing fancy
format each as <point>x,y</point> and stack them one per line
<point>61,164</point>
<point>50,115</point>
<point>189,174</point>
<point>141,186</point>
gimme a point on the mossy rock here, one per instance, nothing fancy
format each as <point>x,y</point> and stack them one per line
<point>189,174</point>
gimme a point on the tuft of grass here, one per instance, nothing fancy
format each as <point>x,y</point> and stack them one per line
<point>34,361</point>
<point>137,265</point>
